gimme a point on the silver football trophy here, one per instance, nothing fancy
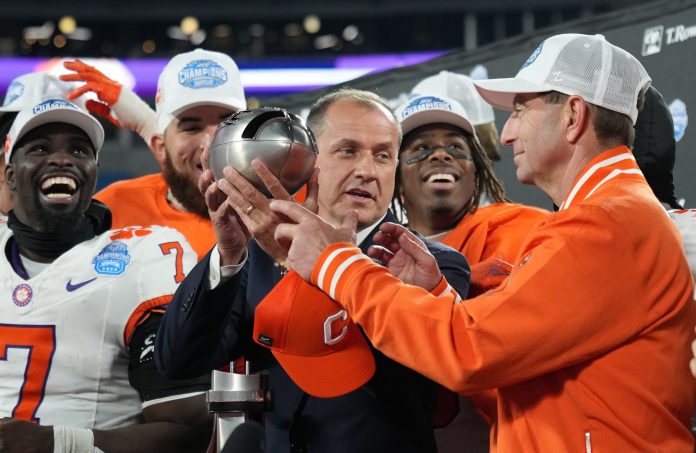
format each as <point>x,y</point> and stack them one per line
<point>236,399</point>
<point>278,138</point>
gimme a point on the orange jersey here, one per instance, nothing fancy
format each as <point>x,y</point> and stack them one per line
<point>588,340</point>
<point>500,227</point>
<point>143,201</point>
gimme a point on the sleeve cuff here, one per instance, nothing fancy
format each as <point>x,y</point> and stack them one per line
<point>219,273</point>
<point>443,289</point>
<point>332,264</point>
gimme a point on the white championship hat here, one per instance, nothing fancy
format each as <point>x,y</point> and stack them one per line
<point>460,88</point>
<point>425,109</point>
<point>578,65</point>
<point>53,111</point>
<point>30,89</point>
<point>199,77</point>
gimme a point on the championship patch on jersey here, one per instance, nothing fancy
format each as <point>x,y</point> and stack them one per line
<point>202,74</point>
<point>22,294</point>
<point>14,91</point>
<point>112,260</point>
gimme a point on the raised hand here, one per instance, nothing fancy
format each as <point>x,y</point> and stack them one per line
<point>230,233</point>
<point>108,91</point>
<point>117,103</point>
<point>405,256</point>
<point>252,206</point>
<point>308,234</point>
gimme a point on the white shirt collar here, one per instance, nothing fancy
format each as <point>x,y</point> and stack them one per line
<point>365,232</point>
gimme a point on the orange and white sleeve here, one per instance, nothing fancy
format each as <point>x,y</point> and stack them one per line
<point>338,261</point>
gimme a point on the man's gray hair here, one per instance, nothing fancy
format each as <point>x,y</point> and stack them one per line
<point>316,120</point>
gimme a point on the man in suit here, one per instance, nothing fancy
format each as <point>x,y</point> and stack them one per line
<point>211,319</point>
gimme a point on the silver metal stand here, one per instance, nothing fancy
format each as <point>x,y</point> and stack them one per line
<point>234,399</point>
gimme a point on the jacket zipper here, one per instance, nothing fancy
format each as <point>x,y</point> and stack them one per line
<point>588,442</point>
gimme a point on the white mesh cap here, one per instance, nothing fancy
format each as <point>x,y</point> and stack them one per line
<point>30,89</point>
<point>582,65</point>
<point>53,111</point>
<point>199,77</point>
<point>425,109</point>
<point>460,88</point>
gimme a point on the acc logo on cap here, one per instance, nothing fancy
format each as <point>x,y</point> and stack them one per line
<point>51,104</point>
<point>14,92</point>
<point>112,260</point>
<point>532,58</point>
<point>425,103</point>
<point>202,74</point>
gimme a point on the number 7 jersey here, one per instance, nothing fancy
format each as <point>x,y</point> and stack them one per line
<point>64,333</point>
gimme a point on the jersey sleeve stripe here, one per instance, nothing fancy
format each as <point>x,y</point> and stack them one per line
<point>327,263</point>
<point>140,311</point>
<point>341,269</point>
<point>335,265</point>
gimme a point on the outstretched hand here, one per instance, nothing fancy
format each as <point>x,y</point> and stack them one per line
<point>405,255</point>
<point>309,234</point>
<point>488,274</point>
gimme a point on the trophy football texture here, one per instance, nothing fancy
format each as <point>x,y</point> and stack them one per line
<point>280,139</point>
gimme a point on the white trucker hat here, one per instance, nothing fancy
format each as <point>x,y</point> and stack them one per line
<point>424,109</point>
<point>53,111</point>
<point>30,89</point>
<point>199,77</point>
<point>578,65</point>
<point>460,88</point>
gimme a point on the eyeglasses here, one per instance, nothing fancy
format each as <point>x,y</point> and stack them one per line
<point>421,154</point>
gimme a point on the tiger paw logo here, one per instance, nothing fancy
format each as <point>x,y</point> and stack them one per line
<point>129,233</point>
<point>22,295</point>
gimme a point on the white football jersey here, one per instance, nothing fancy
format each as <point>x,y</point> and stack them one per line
<point>64,333</point>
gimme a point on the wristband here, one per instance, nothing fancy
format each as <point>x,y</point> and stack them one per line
<point>135,114</point>
<point>67,439</point>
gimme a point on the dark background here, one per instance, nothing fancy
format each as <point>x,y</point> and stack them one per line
<point>496,34</point>
<point>672,69</point>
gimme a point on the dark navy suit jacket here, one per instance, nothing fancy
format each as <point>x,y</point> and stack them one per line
<point>206,329</point>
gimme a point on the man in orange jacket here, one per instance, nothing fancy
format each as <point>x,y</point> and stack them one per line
<point>588,339</point>
<point>443,175</point>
